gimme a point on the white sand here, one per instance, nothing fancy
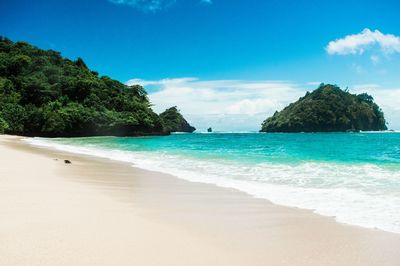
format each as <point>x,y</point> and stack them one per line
<point>98,212</point>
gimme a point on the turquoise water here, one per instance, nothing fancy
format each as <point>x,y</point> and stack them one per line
<point>354,177</point>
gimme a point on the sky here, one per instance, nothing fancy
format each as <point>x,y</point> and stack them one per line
<point>228,64</point>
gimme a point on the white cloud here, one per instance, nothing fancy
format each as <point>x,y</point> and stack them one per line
<point>150,5</point>
<point>146,5</point>
<point>367,39</point>
<point>253,106</point>
<point>174,81</point>
<point>221,104</point>
<point>358,68</point>
<point>375,59</point>
<point>238,105</point>
<point>314,83</point>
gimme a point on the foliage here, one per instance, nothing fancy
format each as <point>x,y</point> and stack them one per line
<point>173,121</point>
<point>328,109</point>
<point>43,94</point>
<point>3,125</point>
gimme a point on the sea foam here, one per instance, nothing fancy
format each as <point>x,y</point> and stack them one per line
<point>361,194</point>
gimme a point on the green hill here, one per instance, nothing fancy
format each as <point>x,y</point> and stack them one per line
<point>174,122</point>
<point>44,94</point>
<point>328,109</point>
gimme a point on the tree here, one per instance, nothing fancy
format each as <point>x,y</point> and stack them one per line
<point>174,122</point>
<point>327,109</point>
<point>3,125</point>
<point>44,94</point>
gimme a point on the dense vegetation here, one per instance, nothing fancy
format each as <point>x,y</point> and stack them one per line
<point>328,109</point>
<point>173,121</point>
<point>43,94</point>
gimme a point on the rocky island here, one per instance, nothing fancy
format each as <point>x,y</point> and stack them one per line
<point>173,121</point>
<point>328,109</point>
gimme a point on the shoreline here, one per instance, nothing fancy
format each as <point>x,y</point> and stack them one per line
<point>208,225</point>
<point>333,203</point>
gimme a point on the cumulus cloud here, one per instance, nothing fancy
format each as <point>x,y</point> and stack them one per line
<point>240,105</point>
<point>221,104</point>
<point>150,5</point>
<point>367,39</point>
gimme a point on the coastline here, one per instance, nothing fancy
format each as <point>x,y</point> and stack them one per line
<point>97,211</point>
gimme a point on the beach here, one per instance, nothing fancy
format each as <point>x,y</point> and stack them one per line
<point>98,211</point>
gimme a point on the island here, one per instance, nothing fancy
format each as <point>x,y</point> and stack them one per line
<point>44,94</point>
<point>328,109</point>
<point>173,121</point>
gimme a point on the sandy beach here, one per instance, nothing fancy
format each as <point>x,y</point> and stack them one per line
<point>101,212</point>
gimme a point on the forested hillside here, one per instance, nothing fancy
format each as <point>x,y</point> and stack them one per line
<point>44,94</point>
<point>328,109</point>
<point>173,121</point>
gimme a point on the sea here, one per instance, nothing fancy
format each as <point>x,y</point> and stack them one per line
<point>353,177</point>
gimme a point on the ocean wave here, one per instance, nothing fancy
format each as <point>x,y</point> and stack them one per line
<point>364,194</point>
<point>383,131</point>
<point>227,132</point>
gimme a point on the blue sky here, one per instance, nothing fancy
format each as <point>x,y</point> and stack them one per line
<point>241,59</point>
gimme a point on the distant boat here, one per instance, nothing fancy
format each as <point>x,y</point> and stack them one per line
<point>209,129</point>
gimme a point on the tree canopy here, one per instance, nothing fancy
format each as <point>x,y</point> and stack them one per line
<point>173,121</point>
<point>44,94</point>
<point>328,109</point>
